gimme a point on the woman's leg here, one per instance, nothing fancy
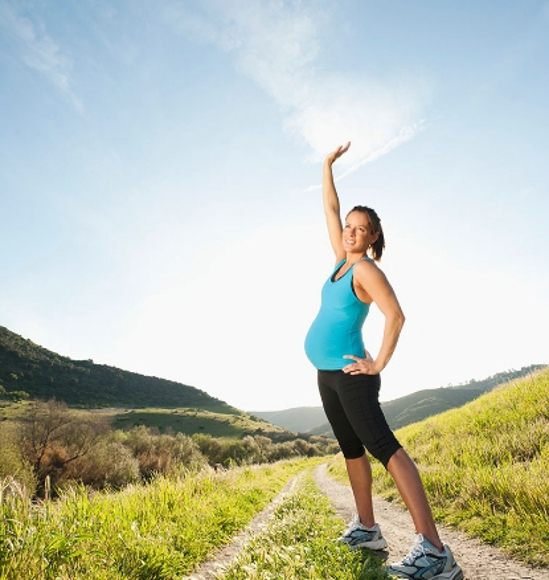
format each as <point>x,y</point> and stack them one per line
<point>360,476</point>
<point>406,476</point>
<point>359,414</point>
<point>359,399</point>
<point>358,466</point>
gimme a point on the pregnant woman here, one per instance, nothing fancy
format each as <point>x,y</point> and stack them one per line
<point>349,383</point>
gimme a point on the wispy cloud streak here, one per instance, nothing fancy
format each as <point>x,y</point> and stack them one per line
<point>278,44</point>
<point>39,51</point>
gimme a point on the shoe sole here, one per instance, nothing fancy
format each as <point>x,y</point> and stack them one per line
<point>377,545</point>
<point>455,574</point>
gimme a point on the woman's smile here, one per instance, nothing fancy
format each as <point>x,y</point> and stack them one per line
<point>357,232</point>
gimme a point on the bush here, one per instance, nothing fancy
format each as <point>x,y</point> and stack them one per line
<point>12,462</point>
<point>52,436</point>
<point>165,454</point>
<point>227,452</point>
<point>109,464</point>
<point>18,396</point>
<point>258,449</point>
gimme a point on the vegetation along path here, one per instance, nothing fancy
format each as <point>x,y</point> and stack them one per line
<point>212,568</point>
<point>478,561</point>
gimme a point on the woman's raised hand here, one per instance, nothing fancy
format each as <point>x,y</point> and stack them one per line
<point>338,153</point>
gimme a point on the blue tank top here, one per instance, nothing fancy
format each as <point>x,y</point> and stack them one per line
<point>337,328</point>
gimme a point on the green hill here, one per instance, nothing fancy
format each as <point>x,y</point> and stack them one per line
<point>422,404</point>
<point>192,420</point>
<point>399,412</point>
<point>28,368</point>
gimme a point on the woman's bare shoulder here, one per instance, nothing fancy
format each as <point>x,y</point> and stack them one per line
<point>368,270</point>
<point>367,266</point>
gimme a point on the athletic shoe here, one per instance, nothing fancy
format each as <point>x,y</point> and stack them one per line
<point>359,536</point>
<point>425,562</point>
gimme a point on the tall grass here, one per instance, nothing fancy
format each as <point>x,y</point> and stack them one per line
<point>160,530</point>
<point>485,467</point>
<point>299,544</point>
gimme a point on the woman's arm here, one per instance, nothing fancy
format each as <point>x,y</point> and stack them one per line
<point>376,285</point>
<point>331,203</point>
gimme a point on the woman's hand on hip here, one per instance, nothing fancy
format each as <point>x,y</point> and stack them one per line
<point>361,366</point>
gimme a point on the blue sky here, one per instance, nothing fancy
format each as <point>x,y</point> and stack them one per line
<point>159,172</point>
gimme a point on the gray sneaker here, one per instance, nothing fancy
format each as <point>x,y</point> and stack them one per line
<point>358,535</point>
<point>425,562</point>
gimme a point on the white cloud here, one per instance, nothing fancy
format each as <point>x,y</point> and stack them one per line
<point>366,114</point>
<point>40,52</point>
<point>278,44</point>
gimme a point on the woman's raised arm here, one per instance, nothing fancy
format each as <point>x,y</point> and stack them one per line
<point>331,203</point>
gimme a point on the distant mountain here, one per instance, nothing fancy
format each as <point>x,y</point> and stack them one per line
<point>399,412</point>
<point>297,419</point>
<point>29,369</point>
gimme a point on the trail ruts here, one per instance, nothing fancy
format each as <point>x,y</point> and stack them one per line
<point>212,569</point>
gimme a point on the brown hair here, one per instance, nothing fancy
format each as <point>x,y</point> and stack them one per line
<point>375,224</point>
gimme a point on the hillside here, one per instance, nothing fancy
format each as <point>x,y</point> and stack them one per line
<point>422,404</point>
<point>190,421</point>
<point>402,411</point>
<point>28,368</point>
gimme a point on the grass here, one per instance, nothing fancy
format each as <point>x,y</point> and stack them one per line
<point>485,467</point>
<point>300,544</point>
<point>161,530</point>
<point>190,421</point>
<point>10,410</point>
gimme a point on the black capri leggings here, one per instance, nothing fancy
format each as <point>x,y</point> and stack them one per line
<point>351,403</point>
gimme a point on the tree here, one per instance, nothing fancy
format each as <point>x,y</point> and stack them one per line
<point>54,435</point>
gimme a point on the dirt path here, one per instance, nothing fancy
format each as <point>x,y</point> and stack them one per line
<point>478,561</point>
<point>212,568</point>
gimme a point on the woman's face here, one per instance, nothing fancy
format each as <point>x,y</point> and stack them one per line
<point>357,233</point>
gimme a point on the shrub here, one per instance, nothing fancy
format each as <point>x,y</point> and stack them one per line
<point>12,462</point>
<point>52,436</point>
<point>165,454</point>
<point>109,464</point>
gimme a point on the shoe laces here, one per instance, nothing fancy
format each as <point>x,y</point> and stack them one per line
<point>354,523</point>
<point>418,550</point>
